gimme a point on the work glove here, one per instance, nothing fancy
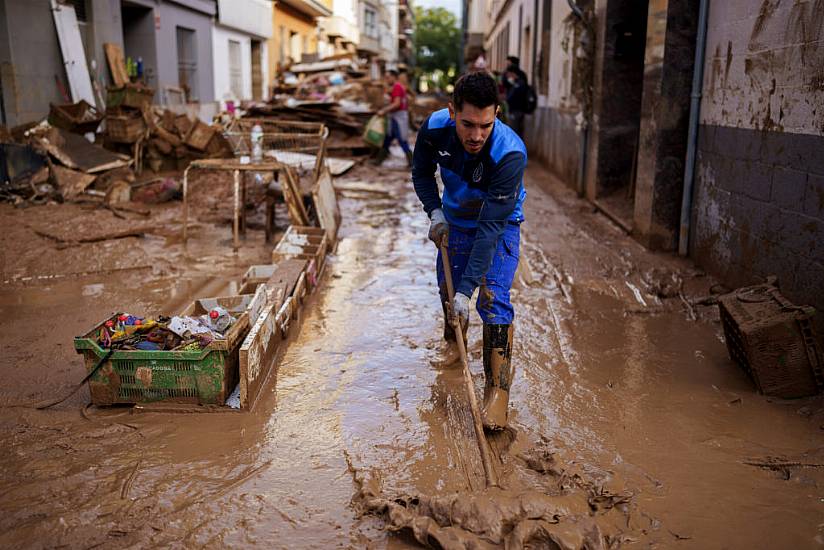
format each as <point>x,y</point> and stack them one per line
<point>438,228</point>
<point>459,312</point>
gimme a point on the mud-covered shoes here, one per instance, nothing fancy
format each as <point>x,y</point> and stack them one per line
<point>498,372</point>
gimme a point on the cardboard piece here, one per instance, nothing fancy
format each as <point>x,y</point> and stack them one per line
<point>117,64</point>
<point>326,206</point>
<point>71,183</point>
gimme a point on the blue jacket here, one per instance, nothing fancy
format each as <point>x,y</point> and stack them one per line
<point>483,191</point>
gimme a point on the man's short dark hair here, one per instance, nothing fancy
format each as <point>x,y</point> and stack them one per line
<point>393,72</point>
<point>513,60</point>
<point>477,88</point>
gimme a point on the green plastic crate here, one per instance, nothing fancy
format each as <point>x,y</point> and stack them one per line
<point>204,377</point>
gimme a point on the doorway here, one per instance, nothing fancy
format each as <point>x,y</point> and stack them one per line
<point>257,70</point>
<point>620,109</point>
<point>187,63</point>
<point>139,39</point>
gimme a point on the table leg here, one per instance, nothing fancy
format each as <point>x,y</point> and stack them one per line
<point>236,221</point>
<point>243,204</point>
<point>185,204</point>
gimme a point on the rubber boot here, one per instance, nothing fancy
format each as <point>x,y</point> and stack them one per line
<point>380,157</point>
<point>409,159</point>
<point>449,354</point>
<point>498,372</point>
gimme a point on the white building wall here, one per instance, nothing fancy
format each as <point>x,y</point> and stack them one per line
<point>560,57</point>
<point>223,82</point>
<point>517,43</point>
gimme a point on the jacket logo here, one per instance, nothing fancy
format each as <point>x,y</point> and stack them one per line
<point>444,153</point>
<point>478,173</point>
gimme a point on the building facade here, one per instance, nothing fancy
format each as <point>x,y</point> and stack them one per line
<point>239,36</point>
<point>295,33</point>
<point>614,82</point>
<point>171,39</point>
<point>340,33</point>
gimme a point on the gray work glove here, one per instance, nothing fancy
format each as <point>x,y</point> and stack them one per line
<point>438,228</point>
<point>460,310</point>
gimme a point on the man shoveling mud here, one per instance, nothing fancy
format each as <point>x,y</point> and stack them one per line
<point>482,164</point>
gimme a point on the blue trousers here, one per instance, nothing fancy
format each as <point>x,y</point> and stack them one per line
<point>395,133</point>
<point>494,305</point>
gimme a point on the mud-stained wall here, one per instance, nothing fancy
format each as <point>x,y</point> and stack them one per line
<point>759,195</point>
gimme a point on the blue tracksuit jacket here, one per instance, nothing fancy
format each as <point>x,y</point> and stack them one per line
<point>483,191</point>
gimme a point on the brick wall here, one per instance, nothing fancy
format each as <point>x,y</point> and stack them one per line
<point>759,189</point>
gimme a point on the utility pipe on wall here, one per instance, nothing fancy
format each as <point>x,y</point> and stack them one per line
<point>692,137</point>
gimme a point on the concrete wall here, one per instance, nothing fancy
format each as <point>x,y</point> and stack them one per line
<point>759,195</point>
<point>30,58</point>
<point>172,15</point>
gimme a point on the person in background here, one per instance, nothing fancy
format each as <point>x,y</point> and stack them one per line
<point>398,123</point>
<point>403,78</point>
<point>517,96</point>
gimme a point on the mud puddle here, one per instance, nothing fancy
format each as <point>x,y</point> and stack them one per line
<point>625,426</point>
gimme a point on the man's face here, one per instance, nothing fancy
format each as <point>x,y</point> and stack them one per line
<point>390,79</point>
<point>473,125</point>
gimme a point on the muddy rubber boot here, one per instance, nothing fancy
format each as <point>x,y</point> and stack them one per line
<point>409,159</point>
<point>380,157</point>
<point>448,355</point>
<point>498,372</point>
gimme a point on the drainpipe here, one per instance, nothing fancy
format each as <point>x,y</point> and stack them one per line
<point>692,137</point>
<point>582,119</point>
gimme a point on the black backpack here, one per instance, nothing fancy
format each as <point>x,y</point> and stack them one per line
<point>531,100</point>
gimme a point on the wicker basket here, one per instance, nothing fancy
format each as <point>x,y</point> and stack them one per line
<point>130,95</point>
<point>125,128</point>
<point>773,341</point>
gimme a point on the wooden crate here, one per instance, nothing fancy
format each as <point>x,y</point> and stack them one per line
<point>305,243</point>
<point>125,128</point>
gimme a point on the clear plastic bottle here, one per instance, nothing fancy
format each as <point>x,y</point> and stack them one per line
<point>257,143</point>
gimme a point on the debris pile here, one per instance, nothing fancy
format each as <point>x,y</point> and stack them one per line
<point>180,333</point>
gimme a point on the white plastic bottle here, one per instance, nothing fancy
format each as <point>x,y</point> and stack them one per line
<point>257,143</point>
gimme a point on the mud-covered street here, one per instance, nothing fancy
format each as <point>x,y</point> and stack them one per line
<point>630,426</point>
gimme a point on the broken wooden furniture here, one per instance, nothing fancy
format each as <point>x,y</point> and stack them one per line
<point>300,146</point>
<point>236,167</point>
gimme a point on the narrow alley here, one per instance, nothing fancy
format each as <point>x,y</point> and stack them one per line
<point>629,420</point>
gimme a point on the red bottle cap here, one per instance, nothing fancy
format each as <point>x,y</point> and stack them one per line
<point>138,322</point>
<point>214,314</point>
<point>109,323</point>
<point>123,317</point>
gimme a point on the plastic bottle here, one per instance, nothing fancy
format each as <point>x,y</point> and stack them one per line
<point>139,67</point>
<point>257,143</point>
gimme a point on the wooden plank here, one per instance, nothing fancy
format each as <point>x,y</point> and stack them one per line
<point>117,64</point>
<point>257,353</point>
<point>326,206</point>
<point>288,273</point>
<point>293,198</point>
<point>74,56</point>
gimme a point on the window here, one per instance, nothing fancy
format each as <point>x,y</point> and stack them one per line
<point>370,22</point>
<point>235,69</point>
<point>187,62</point>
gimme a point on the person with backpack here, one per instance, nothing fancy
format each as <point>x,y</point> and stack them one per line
<point>520,96</point>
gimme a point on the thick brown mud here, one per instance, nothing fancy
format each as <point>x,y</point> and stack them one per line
<point>629,424</point>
